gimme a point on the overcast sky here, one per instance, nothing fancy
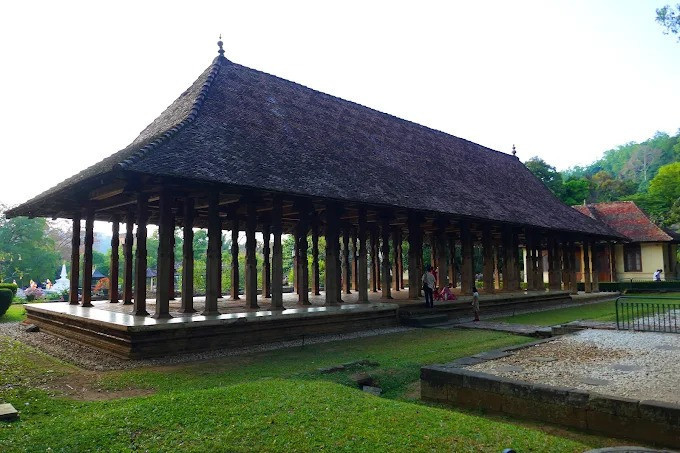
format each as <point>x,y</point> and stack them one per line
<point>564,80</point>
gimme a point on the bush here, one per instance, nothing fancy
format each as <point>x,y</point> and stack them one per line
<point>33,294</point>
<point>11,286</point>
<point>6,296</point>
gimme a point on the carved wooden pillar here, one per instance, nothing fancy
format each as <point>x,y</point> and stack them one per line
<point>303,264</point>
<point>587,282</point>
<point>166,258</point>
<point>442,259</point>
<point>316,286</point>
<point>362,265</point>
<point>552,285</point>
<point>467,277</point>
<point>266,264</point>
<point>296,264</point>
<point>113,273</point>
<point>414,274</point>
<point>188,258</point>
<point>401,260</point>
<point>386,280</point>
<point>487,252</point>
<point>596,267</point>
<point>395,263</point>
<point>214,256</point>
<point>612,262</point>
<point>498,267</point>
<point>355,260</point>
<point>566,266</point>
<point>374,260</point>
<point>346,270</point>
<point>234,290</point>
<point>87,258</point>
<point>171,277</point>
<point>139,308</point>
<point>515,252</point>
<point>277,259</point>
<point>251,258</point>
<point>333,290</point>
<point>451,241</point>
<point>509,258</point>
<point>75,260</point>
<point>540,269</point>
<point>128,257</point>
<point>529,271</point>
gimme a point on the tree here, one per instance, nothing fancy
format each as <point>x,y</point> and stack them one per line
<point>547,174</point>
<point>664,194</point>
<point>576,191</point>
<point>26,251</point>
<point>669,18</point>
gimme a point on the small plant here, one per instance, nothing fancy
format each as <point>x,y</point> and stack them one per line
<point>5,300</point>
<point>33,294</point>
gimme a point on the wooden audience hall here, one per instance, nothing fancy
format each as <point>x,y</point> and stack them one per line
<point>244,150</point>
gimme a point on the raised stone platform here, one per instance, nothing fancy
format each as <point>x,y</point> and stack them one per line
<point>124,335</point>
<point>613,383</point>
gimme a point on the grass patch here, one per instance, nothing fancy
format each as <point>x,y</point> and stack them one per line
<point>15,313</point>
<point>601,311</point>
<point>271,401</point>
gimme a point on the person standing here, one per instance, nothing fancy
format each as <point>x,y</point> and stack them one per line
<point>657,275</point>
<point>475,302</point>
<point>428,286</point>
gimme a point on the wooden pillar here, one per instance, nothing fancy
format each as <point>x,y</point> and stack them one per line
<point>596,267</point>
<point>467,266</point>
<point>128,257</point>
<point>540,281</point>
<point>166,258</point>
<point>333,289</point>
<point>441,257</point>
<point>385,236</point>
<point>514,252</point>
<point>277,258</point>
<point>414,274</point>
<point>529,270</point>
<point>316,286</point>
<point>214,256</point>
<point>400,250</point>
<point>139,308</point>
<point>188,258</point>
<point>551,263</point>
<point>346,269</point>
<point>395,263</point>
<point>266,262</point>
<point>234,290</point>
<point>75,260</point>
<point>87,258</point>
<point>171,277</point>
<point>374,260</point>
<point>452,260</point>
<point>587,281</point>
<point>296,264</point>
<point>572,278</point>
<point>355,260</point>
<point>612,262</point>
<point>113,265</point>
<point>251,258</point>
<point>303,264</point>
<point>378,259</point>
<point>510,259</point>
<point>497,267</point>
<point>487,252</point>
<point>566,264</point>
<point>362,265</point>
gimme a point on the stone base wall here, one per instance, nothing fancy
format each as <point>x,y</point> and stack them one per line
<point>650,422</point>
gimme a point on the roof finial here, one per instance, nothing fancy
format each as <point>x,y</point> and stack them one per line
<point>219,44</point>
<point>514,151</point>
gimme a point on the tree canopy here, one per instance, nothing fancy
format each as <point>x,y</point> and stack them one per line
<point>669,18</point>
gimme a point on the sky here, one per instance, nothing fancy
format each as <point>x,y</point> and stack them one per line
<point>563,80</point>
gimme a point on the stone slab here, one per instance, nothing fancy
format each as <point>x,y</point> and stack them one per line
<point>8,412</point>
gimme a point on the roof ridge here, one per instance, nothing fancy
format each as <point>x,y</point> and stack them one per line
<point>195,108</point>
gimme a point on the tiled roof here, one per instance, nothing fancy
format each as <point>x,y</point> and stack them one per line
<point>628,220</point>
<point>244,128</point>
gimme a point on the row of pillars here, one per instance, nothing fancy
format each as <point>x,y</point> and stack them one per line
<point>339,275</point>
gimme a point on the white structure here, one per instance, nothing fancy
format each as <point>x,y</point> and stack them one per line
<point>63,283</point>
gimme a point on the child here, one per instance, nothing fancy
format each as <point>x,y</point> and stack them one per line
<point>447,292</point>
<point>475,302</point>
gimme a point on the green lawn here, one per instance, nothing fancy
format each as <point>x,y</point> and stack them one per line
<point>602,311</point>
<point>15,313</point>
<point>274,401</point>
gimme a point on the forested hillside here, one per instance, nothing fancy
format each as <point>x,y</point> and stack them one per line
<point>647,173</point>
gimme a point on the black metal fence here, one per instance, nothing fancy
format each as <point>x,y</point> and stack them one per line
<point>648,314</point>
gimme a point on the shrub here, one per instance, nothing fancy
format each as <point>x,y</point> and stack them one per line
<point>11,286</point>
<point>5,300</point>
<point>33,294</point>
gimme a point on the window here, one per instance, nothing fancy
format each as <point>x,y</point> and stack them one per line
<point>632,261</point>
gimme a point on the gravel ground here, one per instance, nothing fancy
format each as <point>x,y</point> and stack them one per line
<point>638,365</point>
<point>668,321</point>
<point>93,359</point>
